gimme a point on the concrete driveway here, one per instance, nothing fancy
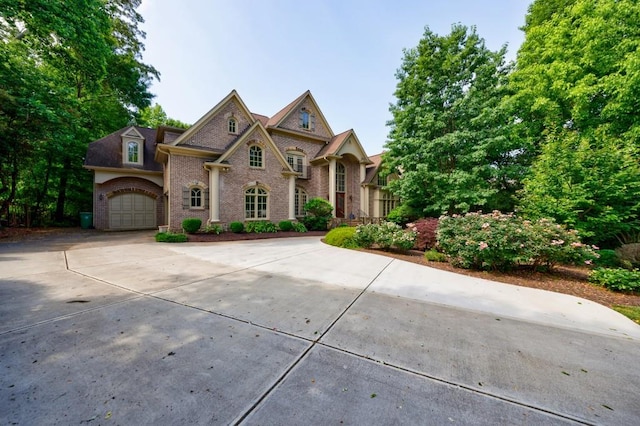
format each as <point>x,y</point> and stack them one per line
<point>116,329</point>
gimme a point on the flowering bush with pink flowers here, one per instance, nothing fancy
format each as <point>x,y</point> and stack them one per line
<point>502,241</point>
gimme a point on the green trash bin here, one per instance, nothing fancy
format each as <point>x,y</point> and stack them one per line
<point>86,220</point>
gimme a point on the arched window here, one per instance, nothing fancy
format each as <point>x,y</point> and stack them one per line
<point>133,149</point>
<point>300,200</point>
<point>256,156</point>
<point>196,198</point>
<point>341,175</point>
<point>232,125</point>
<point>307,120</point>
<point>256,203</point>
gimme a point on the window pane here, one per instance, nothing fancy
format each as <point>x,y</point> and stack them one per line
<point>340,177</point>
<point>132,152</point>
<point>255,156</point>
<point>196,197</point>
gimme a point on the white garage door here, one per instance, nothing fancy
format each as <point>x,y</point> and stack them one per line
<point>132,211</point>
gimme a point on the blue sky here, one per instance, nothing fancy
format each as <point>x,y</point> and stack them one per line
<point>346,52</point>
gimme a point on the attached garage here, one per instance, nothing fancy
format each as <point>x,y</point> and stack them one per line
<point>132,211</point>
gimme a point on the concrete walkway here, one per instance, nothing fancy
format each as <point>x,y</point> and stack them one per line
<point>110,329</point>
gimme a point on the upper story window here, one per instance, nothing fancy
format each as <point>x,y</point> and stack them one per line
<point>232,125</point>
<point>382,180</point>
<point>307,120</point>
<point>341,177</point>
<point>256,155</point>
<point>297,161</point>
<point>133,152</point>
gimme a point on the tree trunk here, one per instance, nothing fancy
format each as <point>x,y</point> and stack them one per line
<point>62,190</point>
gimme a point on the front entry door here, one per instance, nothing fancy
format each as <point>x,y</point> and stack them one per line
<point>340,204</point>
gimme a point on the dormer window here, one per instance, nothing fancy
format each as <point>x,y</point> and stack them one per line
<point>132,152</point>
<point>232,125</point>
<point>307,120</point>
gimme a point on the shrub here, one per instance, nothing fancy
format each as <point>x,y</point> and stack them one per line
<point>285,225</point>
<point>318,213</point>
<point>213,229</point>
<point>607,259</point>
<point>191,225</point>
<point>299,227</point>
<point>384,235</point>
<point>501,241</point>
<point>426,233</point>
<point>260,227</point>
<point>168,237</point>
<point>341,237</point>
<point>435,256</point>
<point>616,279</point>
<point>236,227</point>
<point>403,214</point>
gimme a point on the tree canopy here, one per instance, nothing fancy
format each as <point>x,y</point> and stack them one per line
<point>69,75</point>
<point>448,134</point>
<point>154,116</point>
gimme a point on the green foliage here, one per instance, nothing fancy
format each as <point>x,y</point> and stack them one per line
<point>403,214</point>
<point>631,312</point>
<point>575,88</point>
<point>69,75</point>
<point>425,230</point>
<point>213,228</point>
<point>449,137</point>
<point>285,225</point>
<point>154,117</point>
<point>168,237</point>
<point>385,236</point>
<point>617,279</point>
<point>260,226</point>
<point>341,237</point>
<point>318,214</point>
<point>236,227</point>
<point>502,241</point>
<point>607,259</point>
<point>299,227</point>
<point>629,255</point>
<point>435,256</point>
<point>191,225</point>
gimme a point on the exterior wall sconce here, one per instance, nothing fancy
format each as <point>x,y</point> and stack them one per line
<point>101,197</point>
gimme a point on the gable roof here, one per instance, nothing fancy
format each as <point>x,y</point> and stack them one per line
<point>372,170</point>
<point>233,95</point>
<point>281,115</point>
<point>257,125</point>
<point>107,152</point>
<point>336,144</point>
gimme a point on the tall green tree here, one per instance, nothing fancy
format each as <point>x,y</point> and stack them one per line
<point>449,139</point>
<point>576,89</point>
<point>71,72</point>
<point>154,116</point>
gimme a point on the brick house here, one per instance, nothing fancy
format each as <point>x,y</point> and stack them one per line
<point>232,165</point>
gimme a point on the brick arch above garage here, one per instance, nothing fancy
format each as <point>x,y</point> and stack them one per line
<point>124,185</point>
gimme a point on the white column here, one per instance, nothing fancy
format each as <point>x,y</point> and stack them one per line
<point>363,174</point>
<point>214,194</point>
<point>292,197</point>
<point>332,184</point>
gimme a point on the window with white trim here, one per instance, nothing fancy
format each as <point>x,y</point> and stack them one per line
<point>382,180</point>
<point>307,120</point>
<point>195,199</point>
<point>387,203</point>
<point>232,125</point>
<point>256,156</point>
<point>300,200</point>
<point>256,203</point>
<point>341,178</point>
<point>133,152</point>
<point>297,161</point>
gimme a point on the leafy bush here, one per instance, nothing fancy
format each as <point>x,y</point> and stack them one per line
<point>435,256</point>
<point>168,237</point>
<point>213,229</point>
<point>607,259</point>
<point>236,227</point>
<point>318,214</point>
<point>426,233</point>
<point>191,225</point>
<point>616,279</point>
<point>285,225</point>
<point>403,214</point>
<point>501,241</point>
<point>384,236</point>
<point>299,227</point>
<point>260,227</point>
<point>341,237</point>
